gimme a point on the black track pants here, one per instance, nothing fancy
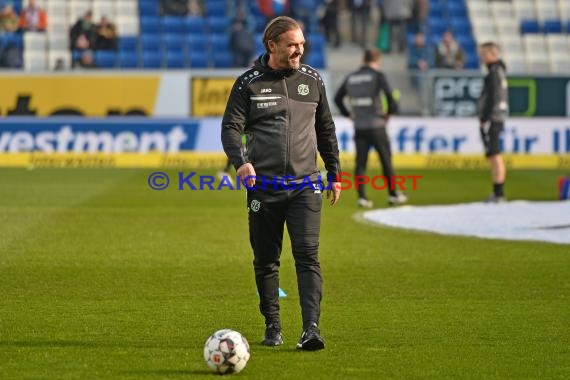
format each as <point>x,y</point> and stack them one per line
<point>268,211</point>
<point>377,138</point>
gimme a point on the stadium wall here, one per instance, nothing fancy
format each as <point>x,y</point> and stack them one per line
<point>174,121</point>
<point>195,142</point>
<point>173,93</point>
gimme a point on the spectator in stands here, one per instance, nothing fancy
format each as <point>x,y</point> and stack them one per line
<point>306,11</point>
<point>359,19</point>
<point>106,38</point>
<point>33,18</point>
<point>82,34</point>
<point>448,53</point>
<point>241,9</point>
<point>330,22</point>
<point>9,21</point>
<point>86,61</point>
<point>242,43</point>
<point>272,8</point>
<point>418,59</point>
<point>420,12</point>
<point>59,65</point>
<point>397,13</point>
<point>194,8</point>
<point>174,7</point>
<point>11,57</point>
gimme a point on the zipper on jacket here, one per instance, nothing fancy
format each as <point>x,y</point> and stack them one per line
<point>287,127</point>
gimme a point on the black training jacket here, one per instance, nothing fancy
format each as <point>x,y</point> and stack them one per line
<point>364,89</point>
<point>286,118</point>
<point>493,103</point>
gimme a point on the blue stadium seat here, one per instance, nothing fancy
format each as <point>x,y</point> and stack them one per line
<point>148,8</point>
<point>76,55</point>
<point>173,42</point>
<point>260,22</point>
<point>151,60</point>
<point>218,25</point>
<point>436,11</point>
<point>128,59</point>
<point>316,41</point>
<point>316,60</point>
<point>106,59</point>
<point>456,10</point>
<point>530,27</point>
<point>410,39</point>
<point>220,42</point>
<point>460,27</point>
<point>198,59</point>
<point>150,24</point>
<point>150,42</point>
<point>129,44</point>
<point>175,59</point>
<point>223,59</point>
<point>436,27</point>
<point>552,26</point>
<point>197,42</point>
<point>173,24</point>
<point>259,48</point>
<point>216,8</point>
<point>195,25</point>
<point>17,4</point>
<point>8,39</point>
<point>434,39</point>
<point>467,43</point>
<point>472,61</point>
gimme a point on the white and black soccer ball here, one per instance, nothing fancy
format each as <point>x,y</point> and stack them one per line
<point>226,351</point>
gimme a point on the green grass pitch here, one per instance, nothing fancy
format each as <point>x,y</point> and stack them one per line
<point>102,277</point>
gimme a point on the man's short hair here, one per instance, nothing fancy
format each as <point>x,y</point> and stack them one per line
<point>490,45</point>
<point>372,55</point>
<point>276,27</point>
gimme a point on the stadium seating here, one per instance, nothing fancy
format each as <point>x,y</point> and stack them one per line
<point>106,59</point>
<point>453,15</point>
<point>534,34</point>
<point>147,39</point>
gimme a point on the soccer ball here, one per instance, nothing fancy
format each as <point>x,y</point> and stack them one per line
<point>226,351</point>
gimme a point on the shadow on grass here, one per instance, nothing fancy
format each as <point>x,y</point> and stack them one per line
<point>284,348</point>
<point>167,372</point>
<point>48,343</point>
<point>80,344</point>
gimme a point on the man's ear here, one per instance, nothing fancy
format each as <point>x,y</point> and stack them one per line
<point>272,45</point>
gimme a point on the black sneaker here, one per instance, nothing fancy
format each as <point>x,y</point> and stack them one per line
<point>272,335</point>
<point>311,339</point>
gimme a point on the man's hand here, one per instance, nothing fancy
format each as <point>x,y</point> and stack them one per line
<point>244,171</point>
<point>422,65</point>
<point>334,193</point>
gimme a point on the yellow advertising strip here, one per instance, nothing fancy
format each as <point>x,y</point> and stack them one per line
<point>210,95</point>
<point>87,95</point>
<point>218,160</point>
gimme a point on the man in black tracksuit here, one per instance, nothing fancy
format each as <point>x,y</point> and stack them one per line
<point>281,106</point>
<point>492,109</point>
<point>364,88</point>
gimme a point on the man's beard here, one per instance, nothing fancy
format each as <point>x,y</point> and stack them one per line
<point>291,63</point>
